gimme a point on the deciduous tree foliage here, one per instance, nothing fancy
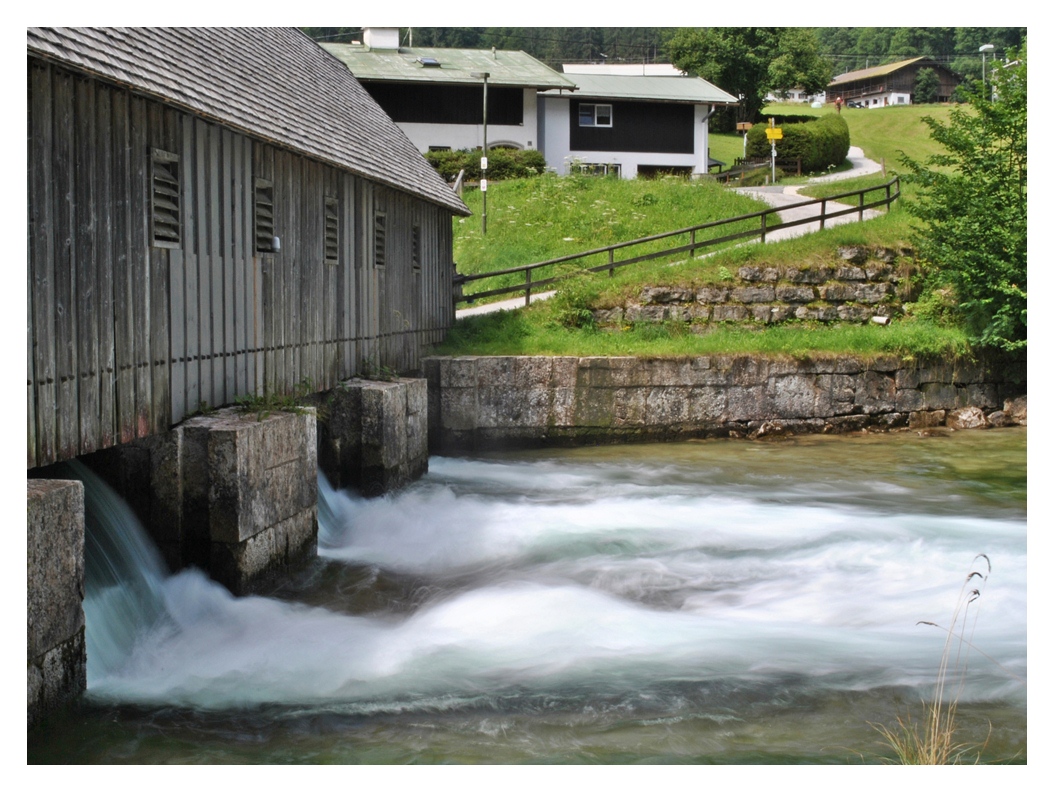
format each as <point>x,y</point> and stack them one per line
<point>750,62</point>
<point>973,207</point>
<point>927,87</point>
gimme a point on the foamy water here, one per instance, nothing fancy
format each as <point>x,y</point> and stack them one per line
<point>573,578</point>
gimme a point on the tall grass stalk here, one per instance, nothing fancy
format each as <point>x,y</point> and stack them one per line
<point>932,741</point>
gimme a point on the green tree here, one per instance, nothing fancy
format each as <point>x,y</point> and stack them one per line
<point>798,64</point>
<point>927,87</point>
<point>973,206</point>
<point>736,60</point>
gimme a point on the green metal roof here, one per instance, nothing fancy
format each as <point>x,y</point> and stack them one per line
<point>506,67</point>
<point>689,90</point>
<point>875,71</point>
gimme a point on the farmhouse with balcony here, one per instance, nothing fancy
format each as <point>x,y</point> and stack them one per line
<point>890,84</point>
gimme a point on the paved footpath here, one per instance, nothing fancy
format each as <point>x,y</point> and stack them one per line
<point>775,197</point>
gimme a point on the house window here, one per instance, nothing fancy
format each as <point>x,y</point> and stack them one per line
<point>380,239</point>
<point>598,168</point>
<point>598,115</point>
<point>263,216</point>
<point>439,148</point>
<point>164,198</point>
<point>332,231</point>
<point>415,248</point>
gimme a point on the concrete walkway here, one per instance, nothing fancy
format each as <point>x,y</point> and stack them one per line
<point>778,197</point>
<point>775,197</point>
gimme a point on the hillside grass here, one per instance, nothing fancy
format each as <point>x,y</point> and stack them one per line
<point>885,133</point>
<point>546,217</point>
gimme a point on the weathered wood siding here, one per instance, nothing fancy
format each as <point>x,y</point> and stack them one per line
<point>126,336</point>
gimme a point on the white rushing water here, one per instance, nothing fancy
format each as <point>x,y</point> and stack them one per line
<point>572,577</point>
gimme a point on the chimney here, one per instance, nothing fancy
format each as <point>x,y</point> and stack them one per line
<point>381,38</point>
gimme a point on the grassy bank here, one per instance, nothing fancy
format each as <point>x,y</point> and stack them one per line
<point>538,331</point>
<point>547,327</point>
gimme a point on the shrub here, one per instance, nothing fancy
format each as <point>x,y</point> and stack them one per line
<point>973,206</point>
<point>501,163</point>
<point>821,143</point>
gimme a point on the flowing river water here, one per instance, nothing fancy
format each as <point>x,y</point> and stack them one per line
<point>699,602</point>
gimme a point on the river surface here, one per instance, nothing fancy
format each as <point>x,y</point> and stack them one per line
<point>701,602</point>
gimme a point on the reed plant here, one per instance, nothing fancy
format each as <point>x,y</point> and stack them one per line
<point>932,740</point>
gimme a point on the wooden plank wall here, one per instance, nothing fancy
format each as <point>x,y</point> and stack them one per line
<point>126,338</point>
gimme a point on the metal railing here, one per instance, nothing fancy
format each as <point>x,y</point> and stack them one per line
<point>690,244</point>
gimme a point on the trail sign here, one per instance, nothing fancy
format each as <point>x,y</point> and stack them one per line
<point>774,133</point>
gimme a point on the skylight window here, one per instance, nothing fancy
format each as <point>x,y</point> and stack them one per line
<point>429,62</point>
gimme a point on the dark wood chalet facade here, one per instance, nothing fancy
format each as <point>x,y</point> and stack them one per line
<point>891,83</point>
<point>214,213</point>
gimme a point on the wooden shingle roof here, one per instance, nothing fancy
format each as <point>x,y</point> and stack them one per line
<point>274,84</point>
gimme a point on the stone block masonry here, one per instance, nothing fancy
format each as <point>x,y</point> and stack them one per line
<point>373,435</point>
<point>55,650</point>
<point>866,287</point>
<point>477,403</point>
<point>231,492</point>
<point>249,483</point>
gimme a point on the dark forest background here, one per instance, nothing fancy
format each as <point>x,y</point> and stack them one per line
<point>846,49</point>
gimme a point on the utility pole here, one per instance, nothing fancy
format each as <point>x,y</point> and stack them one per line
<point>483,160</point>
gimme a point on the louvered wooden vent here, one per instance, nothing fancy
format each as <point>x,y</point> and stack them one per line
<point>379,239</point>
<point>164,198</point>
<point>264,213</point>
<point>332,231</point>
<point>415,247</point>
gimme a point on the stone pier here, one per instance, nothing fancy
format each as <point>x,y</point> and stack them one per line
<point>373,435</point>
<point>55,652</point>
<point>232,492</point>
<point>250,493</point>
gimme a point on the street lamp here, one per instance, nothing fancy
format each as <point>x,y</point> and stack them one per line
<point>483,160</point>
<point>985,48</point>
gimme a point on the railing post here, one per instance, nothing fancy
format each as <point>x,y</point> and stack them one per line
<point>691,252</point>
<point>611,263</point>
<point>861,212</point>
<point>527,289</point>
<point>823,213</point>
<point>764,217</point>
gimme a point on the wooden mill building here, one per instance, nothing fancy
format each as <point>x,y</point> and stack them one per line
<point>214,213</point>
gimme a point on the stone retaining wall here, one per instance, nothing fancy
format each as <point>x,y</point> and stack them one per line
<point>486,402</point>
<point>868,286</point>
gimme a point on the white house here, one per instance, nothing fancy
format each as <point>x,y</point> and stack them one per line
<point>630,124</point>
<point>435,95</point>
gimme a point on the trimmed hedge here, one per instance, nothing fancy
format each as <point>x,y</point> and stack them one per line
<point>501,163</point>
<point>821,142</point>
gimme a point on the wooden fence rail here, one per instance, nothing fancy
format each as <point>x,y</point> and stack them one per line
<point>761,226</point>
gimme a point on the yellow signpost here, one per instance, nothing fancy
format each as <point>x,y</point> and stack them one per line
<point>774,133</point>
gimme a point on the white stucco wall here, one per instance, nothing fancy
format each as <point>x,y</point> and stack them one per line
<point>557,144</point>
<point>470,136</point>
